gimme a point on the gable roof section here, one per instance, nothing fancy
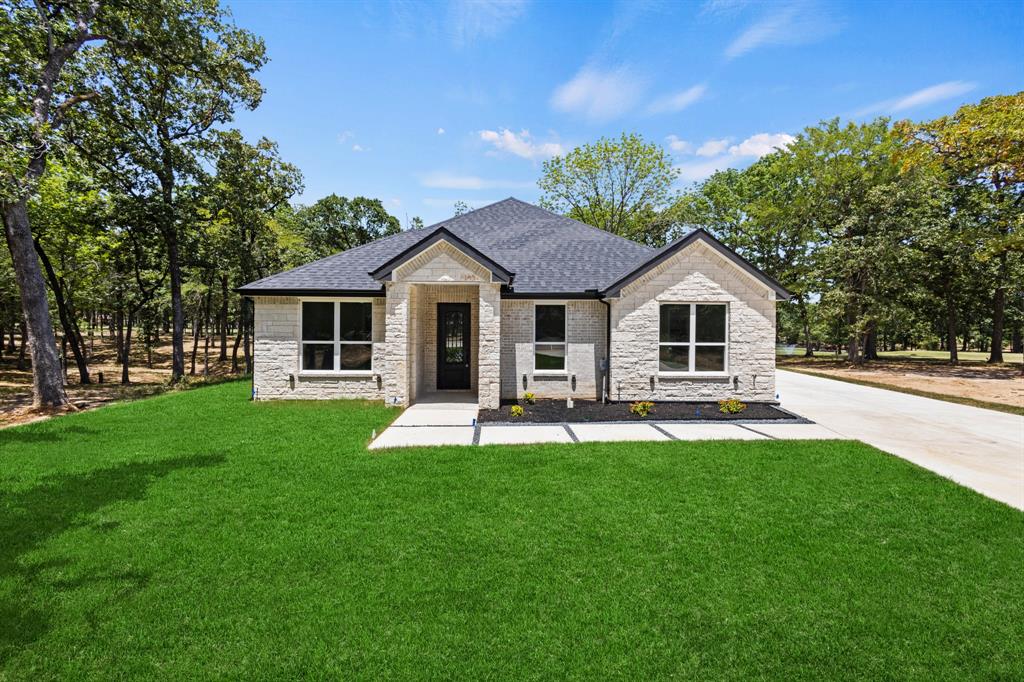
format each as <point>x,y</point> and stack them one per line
<point>549,254</point>
<point>441,234</point>
<point>666,252</point>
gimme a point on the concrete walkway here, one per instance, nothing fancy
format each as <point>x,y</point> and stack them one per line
<point>978,448</point>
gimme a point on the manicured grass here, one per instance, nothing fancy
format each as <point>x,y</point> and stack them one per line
<point>198,535</point>
<point>959,399</point>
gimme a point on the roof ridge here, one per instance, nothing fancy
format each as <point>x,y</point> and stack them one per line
<point>580,222</point>
<point>443,223</point>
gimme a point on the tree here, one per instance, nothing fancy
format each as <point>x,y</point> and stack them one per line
<point>41,40</point>
<point>416,223</point>
<point>759,212</point>
<point>154,118</point>
<point>461,207</point>
<point>981,146</point>
<point>616,185</point>
<point>251,184</point>
<point>336,224</point>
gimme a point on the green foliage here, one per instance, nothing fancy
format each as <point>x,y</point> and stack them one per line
<point>516,411</point>
<point>731,406</point>
<point>529,398</point>
<point>619,185</point>
<point>641,408</point>
<point>336,223</point>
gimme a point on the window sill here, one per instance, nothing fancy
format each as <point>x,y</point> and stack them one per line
<point>312,373</point>
<point>550,373</point>
<point>690,375</point>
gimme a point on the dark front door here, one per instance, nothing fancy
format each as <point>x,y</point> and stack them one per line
<point>452,345</point>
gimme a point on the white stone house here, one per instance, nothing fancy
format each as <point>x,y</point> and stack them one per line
<point>512,298</point>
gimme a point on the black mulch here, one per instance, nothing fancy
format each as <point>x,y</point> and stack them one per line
<point>555,411</point>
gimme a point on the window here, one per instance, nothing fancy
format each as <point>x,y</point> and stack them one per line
<point>692,338</point>
<point>337,336</point>
<point>549,338</point>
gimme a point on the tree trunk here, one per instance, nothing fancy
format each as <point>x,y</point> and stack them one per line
<point>1017,342</point>
<point>126,360</point>
<point>223,318</point>
<point>234,351</point>
<point>24,345</point>
<point>853,340</point>
<point>998,313</point>
<point>805,319</point>
<point>197,326</point>
<point>177,309</point>
<point>951,324</point>
<point>72,336</point>
<point>47,377</point>
<point>871,341</point>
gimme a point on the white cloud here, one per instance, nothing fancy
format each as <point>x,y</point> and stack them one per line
<point>520,144</point>
<point>761,144</point>
<point>470,20</point>
<point>599,95</point>
<point>796,23</point>
<point>719,154</point>
<point>345,136</point>
<point>677,101</point>
<point>360,148</point>
<point>698,170</point>
<point>440,131</point>
<point>723,6</point>
<point>920,98</point>
<point>678,145</point>
<point>713,147</point>
<point>443,180</point>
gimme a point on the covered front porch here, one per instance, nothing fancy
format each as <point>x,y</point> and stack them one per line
<point>442,326</point>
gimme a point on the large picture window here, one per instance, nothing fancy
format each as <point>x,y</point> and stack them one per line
<point>692,338</point>
<point>337,336</point>
<point>549,338</point>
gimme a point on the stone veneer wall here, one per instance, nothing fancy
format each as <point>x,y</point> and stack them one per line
<point>697,274</point>
<point>276,360</point>
<point>585,335</point>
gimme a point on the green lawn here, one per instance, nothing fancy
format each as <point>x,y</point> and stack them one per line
<point>197,535</point>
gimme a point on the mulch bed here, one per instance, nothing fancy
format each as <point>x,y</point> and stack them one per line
<point>555,411</point>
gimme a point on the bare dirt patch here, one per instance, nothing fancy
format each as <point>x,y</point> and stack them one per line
<point>145,380</point>
<point>1001,384</point>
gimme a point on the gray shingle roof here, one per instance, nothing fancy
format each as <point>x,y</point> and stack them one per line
<point>549,254</point>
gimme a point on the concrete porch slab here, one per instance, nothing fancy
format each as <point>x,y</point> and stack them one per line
<point>595,433</point>
<point>509,435</point>
<point>711,432</point>
<point>436,417</point>
<point>412,436</point>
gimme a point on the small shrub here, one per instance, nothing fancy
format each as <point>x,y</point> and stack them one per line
<point>529,398</point>
<point>731,406</point>
<point>641,408</point>
<point>516,411</point>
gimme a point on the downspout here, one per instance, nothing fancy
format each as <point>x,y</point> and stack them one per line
<point>607,350</point>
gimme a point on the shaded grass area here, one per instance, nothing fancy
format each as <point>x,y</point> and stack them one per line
<point>197,535</point>
<point>949,398</point>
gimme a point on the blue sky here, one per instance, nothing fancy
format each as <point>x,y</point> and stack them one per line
<point>425,104</point>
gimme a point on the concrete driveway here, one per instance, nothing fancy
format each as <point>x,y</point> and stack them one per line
<point>981,449</point>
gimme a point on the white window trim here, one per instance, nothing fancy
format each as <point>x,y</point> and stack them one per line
<point>692,344</point>
<point>565,344</point>
<point>337,343</point>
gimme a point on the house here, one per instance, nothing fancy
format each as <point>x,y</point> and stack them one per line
<point>512,298</point>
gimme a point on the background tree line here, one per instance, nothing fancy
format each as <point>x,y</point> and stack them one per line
<point>129,203</point>
<point>890,235</point>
